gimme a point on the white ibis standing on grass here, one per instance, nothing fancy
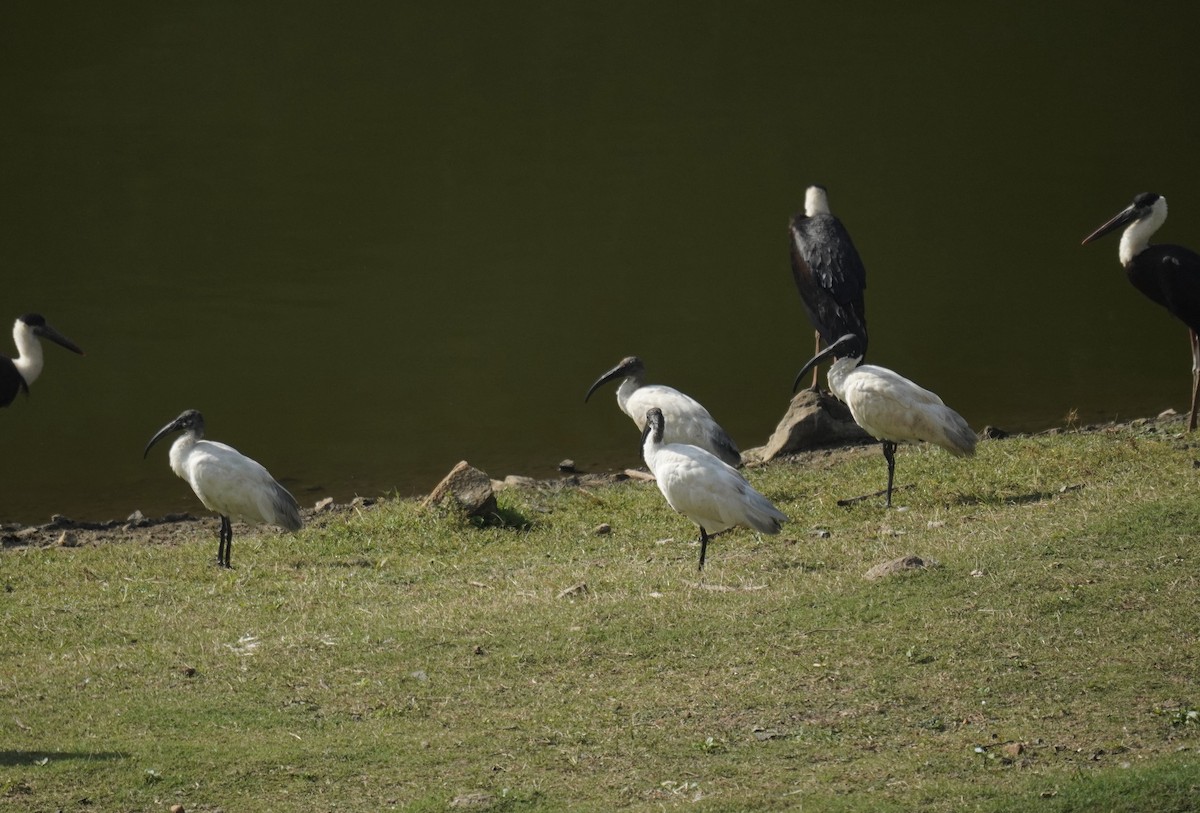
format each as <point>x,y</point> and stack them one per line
<point>687,421</point>
<point>889,406</point>
<point>697,484</point>
<point>17,374</point>
<point>226,481</point>
<point>828,272</point>
<point>1170,275</point>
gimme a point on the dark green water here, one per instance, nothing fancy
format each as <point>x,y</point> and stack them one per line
<point>369,240</point>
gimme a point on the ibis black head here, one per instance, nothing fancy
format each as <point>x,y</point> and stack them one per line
<point>1143,205</point>
<point>654,425</point>
<point>630,366</point>
<point>37,324</point>
<point>848,346</point>
<point>188,421</point>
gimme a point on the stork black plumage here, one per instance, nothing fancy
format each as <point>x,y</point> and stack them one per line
<point>16,374</point>
<point>828,272</point>
<point>1165,273</point>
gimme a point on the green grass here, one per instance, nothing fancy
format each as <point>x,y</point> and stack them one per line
<point>405,659</point>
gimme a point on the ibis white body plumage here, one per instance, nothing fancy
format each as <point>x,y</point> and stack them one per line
<point>891,408</point>
<point>227,482</point>
<point>687,421</point>
<point>705,489</point>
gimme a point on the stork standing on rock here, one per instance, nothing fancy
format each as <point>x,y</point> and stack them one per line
<point>226,481</point>
<point>17,374</point>
<point>828,272</point>
<point>889,407</point>
<point>709,492</point>
<point>687,420</point>
<point>1167,274</point>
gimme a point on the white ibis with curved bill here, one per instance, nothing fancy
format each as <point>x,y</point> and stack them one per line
<point>703,488</point>
<point>687,420</point>
<point>17,374</point>
<point>226,481</point>
<point>889,407</point>
<point>828,271</point>
<point>1167,274</point>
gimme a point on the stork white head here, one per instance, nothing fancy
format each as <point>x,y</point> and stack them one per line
<point>1144,216</point>
<point>26,332</point>
<point>816,201</point>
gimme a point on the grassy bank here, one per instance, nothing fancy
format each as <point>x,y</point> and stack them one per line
<point>402,659</point>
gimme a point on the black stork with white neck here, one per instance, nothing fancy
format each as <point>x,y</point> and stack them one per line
<point>226,481</point>
<point>828,272</point>
<point>1167,274</point>
<point>17,374</point>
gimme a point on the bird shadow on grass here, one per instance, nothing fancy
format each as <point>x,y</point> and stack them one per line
<point>13,758</point>
<point>488,516</point>
<point>1014,499</point>
<point>504,517</point>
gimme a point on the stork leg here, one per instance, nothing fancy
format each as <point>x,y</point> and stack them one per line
<point>889,453</point>
<point>817,368</point>
<point>1195,378</point>
<point>225,545</point>
<point>703,546</point>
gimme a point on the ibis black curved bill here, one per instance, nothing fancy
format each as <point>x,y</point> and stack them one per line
<point>630,365</point>
<point>173,426</point>
<point>847,346</point>
<point>188,420</point>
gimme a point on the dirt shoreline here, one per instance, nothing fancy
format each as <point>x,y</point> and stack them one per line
<point>178,528</point>
<point>174,529</point>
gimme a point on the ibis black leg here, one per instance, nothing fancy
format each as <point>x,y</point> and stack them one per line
<point>703,546</point>
<point>225,545</point>
<point>889,453</point>
<point>1195,378</point>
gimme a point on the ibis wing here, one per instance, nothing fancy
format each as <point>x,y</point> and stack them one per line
<point>711,493</point>
<point>685,420</point>
<point>286,509</point>
<point>230,483</point>
<point>890,407</point>
<point>879,385</point>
